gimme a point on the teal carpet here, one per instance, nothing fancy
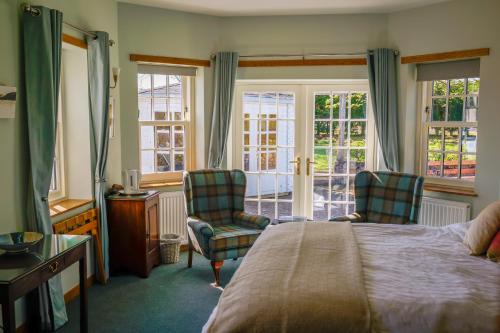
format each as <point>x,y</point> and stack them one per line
<point>173,299</point>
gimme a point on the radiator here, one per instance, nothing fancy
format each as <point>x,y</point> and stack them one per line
<point>172,214</point>
<point>438,212</point>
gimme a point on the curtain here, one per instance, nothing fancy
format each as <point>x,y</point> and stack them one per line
<point>383,90</point>
<point>226,64</point>
<point>42,69</point>
<point>98,73</point>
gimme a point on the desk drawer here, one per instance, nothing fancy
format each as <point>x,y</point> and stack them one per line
<point>52,268</point>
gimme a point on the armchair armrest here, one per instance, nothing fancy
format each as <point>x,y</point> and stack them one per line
<point>251,221</point>
<point>202,231</point>
<point>355,217</point>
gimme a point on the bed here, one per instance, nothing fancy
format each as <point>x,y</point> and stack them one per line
<point>320,277</point>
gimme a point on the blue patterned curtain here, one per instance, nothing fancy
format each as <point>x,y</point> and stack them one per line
<point>384,93</point>
<point>98,72</point>
<point>226,64</point>
<point>42,33</point>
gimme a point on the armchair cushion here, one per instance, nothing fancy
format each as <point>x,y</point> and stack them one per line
<point>250,221</point>
<point>232,236</point>
<point>202,231</point>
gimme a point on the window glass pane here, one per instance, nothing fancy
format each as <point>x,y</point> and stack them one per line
<point>271,159</point>
<point>340,106</point>
<point>320,188</point>
<point>251,104</point>
<point>457,87</point>
<point>434,161</point>
<point>358,105</point>
<point>438,109</point>
<point>450,168</point>
<point>357,161</point>
<point>147,161</point>
<point>473,85</point>
<point>285,187</point>
<point>267,186</point>
<point>320,211</point>
<point>250,160</point>
<point>285,155</point>
<point>163,137</point>
<point>250,138</point>
<point>435,138</point>
<point>269,103</point>
<point>439,88</point>
<point>469,139</point>
<point>251,189</point>
<point>338,209</point>
<point>147,137</point>
<point>455,109</point>
<point>339,161</point>
<point>160,108</point>
<point>451,138</point>
<point>179,160</point>
<point>144,85</point>
<point>159,85</point>
<point>339,133</point>
<point>268,209</point>
<point>286,107</point>
<point>358,133</point>
<point>178,136</point>
<point>321,133</point>
<point>284,209</point>
<point>339,184</point>
<point>471,106</point>
<point>163,161</point>
<point>322,107</point>
<point>321,159</point>
<point>144,108</point>
<point>468,171</point>
<point>351,188</point>
<point>252,207</point>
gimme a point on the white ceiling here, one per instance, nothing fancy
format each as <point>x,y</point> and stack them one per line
<point>284,7</point>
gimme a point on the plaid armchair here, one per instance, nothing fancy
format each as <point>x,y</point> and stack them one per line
<point>218,227</point>
<point>386,197</point>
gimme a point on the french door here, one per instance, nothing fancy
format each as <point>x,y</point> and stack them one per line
<point>301,146</point>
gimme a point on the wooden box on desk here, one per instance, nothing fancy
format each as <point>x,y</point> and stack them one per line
<point>134,240</point>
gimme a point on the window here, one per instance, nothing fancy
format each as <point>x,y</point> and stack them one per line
<point>164,119</point>
<point>450,129</point>
<point>57,182</point>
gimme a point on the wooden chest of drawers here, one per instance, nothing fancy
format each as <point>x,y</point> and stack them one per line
<point>134,240</point>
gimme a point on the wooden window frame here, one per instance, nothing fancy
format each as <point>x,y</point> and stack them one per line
<point>188,104</point>
<point>425,111</point>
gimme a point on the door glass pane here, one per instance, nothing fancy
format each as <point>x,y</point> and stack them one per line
<point>322,106</point>
<point>268,148</point>
<point>333,180</point>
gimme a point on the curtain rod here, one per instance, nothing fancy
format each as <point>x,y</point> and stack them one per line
<point>35,12</point>
<point>303,56</point>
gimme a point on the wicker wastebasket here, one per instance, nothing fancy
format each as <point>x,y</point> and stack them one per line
<point>169,248</point>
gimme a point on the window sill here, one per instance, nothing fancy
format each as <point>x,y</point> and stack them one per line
<point>158,184</point>
<point>458,190</point>
<point>64,206</point>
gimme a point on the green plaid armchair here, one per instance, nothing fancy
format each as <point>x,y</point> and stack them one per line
<point>218,227</point>
<point>386,197</point>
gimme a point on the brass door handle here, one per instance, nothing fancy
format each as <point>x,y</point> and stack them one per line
<point>308,166</point>
<point>297,165</point>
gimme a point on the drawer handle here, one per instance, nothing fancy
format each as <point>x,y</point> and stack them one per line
<point>53,267</point>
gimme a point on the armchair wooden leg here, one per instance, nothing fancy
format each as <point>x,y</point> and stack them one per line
<point>190,253</point>
<point>216,266</point>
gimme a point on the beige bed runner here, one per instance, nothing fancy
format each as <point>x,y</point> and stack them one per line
<point>298,277</point>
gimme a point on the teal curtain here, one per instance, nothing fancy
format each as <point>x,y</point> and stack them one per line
<point>42,69</point>
<point>226,64</point>
<point>98,74</point>
<point>383,91</point>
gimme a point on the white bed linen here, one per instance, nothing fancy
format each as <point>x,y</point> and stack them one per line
<point>422,279</point>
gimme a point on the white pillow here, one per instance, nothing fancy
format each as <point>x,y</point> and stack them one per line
<point>483,228</point>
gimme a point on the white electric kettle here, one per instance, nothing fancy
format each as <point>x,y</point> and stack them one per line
<point>131,179</point>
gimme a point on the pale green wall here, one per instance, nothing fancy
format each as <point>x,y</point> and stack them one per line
<point>455,25</point>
